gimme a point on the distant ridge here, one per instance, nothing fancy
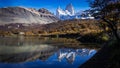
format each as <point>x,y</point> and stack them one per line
<point>25,15</point>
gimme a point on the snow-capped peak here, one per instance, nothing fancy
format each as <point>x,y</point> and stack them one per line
<point>60,12</point>
<point>69,13</point>
<point>70,8</point>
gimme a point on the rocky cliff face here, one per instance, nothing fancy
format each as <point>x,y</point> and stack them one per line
<point>70,9</point>
<point>43,10</point>
<point>25,15</point>
<point>68,13</point>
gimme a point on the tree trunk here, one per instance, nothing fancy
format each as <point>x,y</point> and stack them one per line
<point>116,35</point>
<point>113,27</point>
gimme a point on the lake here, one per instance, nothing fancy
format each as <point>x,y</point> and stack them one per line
<point>43,52</point>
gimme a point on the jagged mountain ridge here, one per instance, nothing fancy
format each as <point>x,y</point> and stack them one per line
<point>65,14</point>
<point>69,13</point>
<point>25,15</point>
<point>70,8</point>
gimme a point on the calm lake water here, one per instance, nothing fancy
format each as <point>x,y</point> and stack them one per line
<point>36,52</point>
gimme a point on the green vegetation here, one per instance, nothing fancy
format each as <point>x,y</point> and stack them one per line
<point>73,26</point>
<point>86,31</point>
<point>76,26</point>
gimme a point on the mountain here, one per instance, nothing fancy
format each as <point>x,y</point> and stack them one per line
<point>69,13</point>
<point>25,15</point>
<point>70,9</point>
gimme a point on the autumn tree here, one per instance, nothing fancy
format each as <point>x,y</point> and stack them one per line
<point>109,12</point>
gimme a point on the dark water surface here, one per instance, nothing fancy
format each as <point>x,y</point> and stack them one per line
<point>36,52</point>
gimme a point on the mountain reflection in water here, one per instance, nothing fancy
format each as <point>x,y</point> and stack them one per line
<point>42,53</point>
<point>70,54</point>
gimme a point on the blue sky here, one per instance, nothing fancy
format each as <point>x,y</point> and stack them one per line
<point>51,5</point>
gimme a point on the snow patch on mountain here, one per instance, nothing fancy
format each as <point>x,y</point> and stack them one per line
<point>69,13</point>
